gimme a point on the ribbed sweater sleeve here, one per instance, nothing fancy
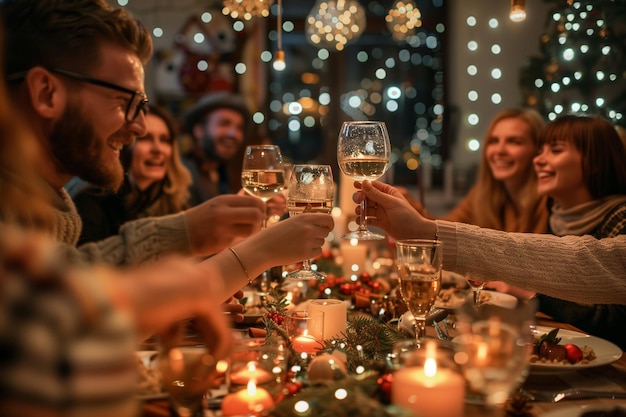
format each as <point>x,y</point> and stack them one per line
<point>580,269</point>
<point>142,240</point>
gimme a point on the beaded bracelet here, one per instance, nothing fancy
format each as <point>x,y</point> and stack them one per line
<point>245,270</point>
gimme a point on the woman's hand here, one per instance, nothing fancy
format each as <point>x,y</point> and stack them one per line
<point>388,209</point>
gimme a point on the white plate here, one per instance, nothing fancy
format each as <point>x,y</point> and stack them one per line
<point>492,297</point>
<point>606,352</point>
<point>578,410</point>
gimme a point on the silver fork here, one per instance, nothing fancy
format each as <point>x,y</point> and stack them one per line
<point>572,394</point>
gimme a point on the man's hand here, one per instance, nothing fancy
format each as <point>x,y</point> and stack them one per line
<point>214,224</point>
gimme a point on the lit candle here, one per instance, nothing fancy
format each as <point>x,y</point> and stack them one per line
<point>346,190</point>
<point>250,373</point>
<point>306,344</point>
<point>250,400</point>
<point>354,257</point>
<point>335,316</point>
<point>429,391</point>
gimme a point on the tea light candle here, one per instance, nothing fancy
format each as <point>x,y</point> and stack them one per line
<point>250,373</point>
<point>247,401</point>
<point>335,316</point>
<point>305,344</point>
<point>429,391</point>
<point>353,254</point>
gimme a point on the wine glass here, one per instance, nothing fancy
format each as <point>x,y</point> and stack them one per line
<point>262,173</point>
<point>189,371</point>
<point>494,349</point>
<point>311,190</point>
<point>477,287</point>
<point>419,263</point>
<point>363,152</point>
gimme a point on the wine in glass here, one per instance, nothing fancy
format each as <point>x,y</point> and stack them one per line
<point>495,345</point>
<point>363,152</point>
<point>311,190</point>
<point>262,174</point>
<point>419,263</point>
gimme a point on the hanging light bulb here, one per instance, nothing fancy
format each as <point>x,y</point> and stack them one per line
<point>518,10</point>
<point>332,24</point>
<point>402,19</point>
<point>279,60</point>
<point>247,9</point>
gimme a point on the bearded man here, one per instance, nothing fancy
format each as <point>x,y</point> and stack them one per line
<point>76,73</point>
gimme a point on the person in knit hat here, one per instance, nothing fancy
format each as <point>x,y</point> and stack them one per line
<point>217,125</point>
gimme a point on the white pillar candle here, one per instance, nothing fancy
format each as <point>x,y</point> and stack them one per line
<point>353,254</point>
<point>429,391</point>
<point>335,316</point>
<point>346,189</point>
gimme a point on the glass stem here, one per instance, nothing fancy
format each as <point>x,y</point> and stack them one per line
<point>306,265</point>
<point>477,296</point>
<point>420,327</point>
<point>363,225</point>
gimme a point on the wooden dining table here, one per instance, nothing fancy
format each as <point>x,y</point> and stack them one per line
<point>610,377</point>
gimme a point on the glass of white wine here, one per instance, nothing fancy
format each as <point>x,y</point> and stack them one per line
<point>420,263</point>
<point>363,152</point>
<point>311,190</point>
<point>262,173</point>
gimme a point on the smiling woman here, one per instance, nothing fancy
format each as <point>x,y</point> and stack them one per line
<point>156,183</point>
<point>504,196</point>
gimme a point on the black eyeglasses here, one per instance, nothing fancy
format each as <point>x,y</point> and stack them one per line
<point>136,104</point>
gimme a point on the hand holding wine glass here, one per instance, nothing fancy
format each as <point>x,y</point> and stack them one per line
<point>262,174</point>
<point>311,190</point>
<point>420,263</point>
<point>363,153</point>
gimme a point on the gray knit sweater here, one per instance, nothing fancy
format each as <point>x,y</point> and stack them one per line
<point>137,241</point>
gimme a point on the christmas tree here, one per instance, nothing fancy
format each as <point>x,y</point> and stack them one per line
<point>582,66</point>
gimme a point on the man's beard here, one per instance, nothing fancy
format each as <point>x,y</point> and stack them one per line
<point>79,152</point>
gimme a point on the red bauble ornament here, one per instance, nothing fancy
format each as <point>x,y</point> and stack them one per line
<point>384,388</point>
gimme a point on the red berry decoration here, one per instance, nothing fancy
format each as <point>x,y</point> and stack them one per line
<point>574,354</point>
<point>384,388</point>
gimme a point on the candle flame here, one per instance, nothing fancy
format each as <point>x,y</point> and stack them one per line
<point>251,388</point>
<point>354,242</point>
<point>430,367</point>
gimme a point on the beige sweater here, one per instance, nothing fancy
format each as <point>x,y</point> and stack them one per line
<point>138,241</point>
<point>580,269</point>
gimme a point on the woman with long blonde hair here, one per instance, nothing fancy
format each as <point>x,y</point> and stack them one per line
<point>504,196</point>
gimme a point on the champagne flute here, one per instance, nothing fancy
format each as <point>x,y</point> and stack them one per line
<point>363,152</point>
<point>262,173</point>
<point>311,190</point>
<point>419,263</point>
<point>494,349</point>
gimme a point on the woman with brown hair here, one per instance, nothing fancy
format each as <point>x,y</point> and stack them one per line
<point>581,169</point>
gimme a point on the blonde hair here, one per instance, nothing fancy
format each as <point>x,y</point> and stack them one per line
<point>491,194</point>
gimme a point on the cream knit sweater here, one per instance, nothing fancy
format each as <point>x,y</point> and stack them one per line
<point>137,241</point>
<point>580,269</point>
